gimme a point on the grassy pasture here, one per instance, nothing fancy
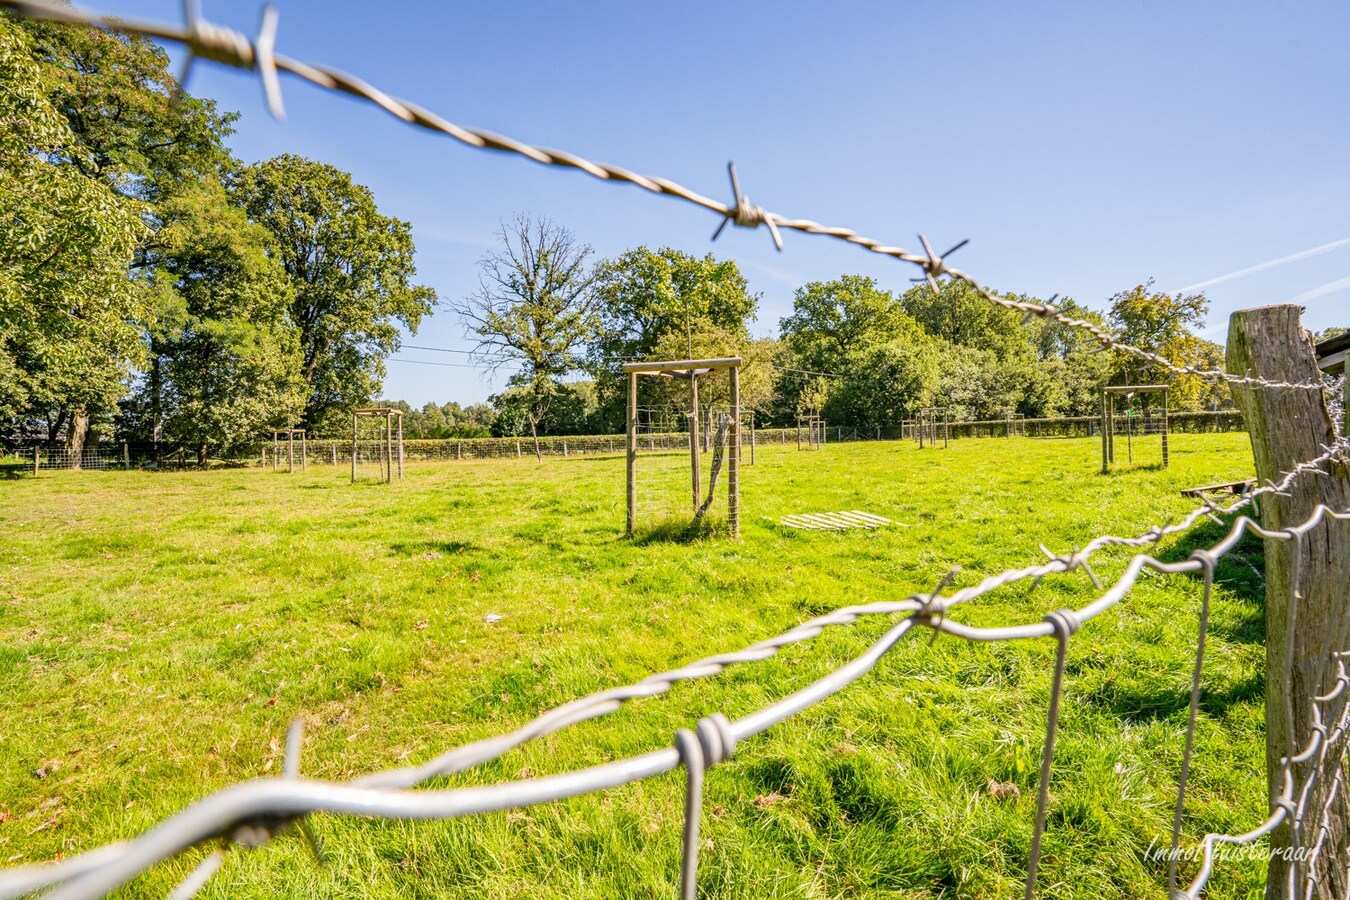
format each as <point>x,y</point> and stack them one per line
<point>159,631</point>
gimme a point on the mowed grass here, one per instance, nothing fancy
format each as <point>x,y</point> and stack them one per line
<point>159,631</point>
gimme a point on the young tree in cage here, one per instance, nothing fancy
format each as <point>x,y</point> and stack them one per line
<point>533,308</point>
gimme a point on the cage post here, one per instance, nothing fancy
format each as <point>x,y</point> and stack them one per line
<point>694,439</point>
<point>304,451</point>
<point>1106,450</point>
<point>632,451</point>
<point>36,451</point>
<point>333,449</point>
<point>400,446</point>
<point>734,463</point>
<point>354,418</point>
<point>290,450</point>
<point>752,437</point>
<point>1166,428</point>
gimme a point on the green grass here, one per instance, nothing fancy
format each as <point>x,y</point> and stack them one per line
<point>159,631</point>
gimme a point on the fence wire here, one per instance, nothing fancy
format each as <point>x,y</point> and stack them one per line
<point>251,813</point>
<point>209,40</point>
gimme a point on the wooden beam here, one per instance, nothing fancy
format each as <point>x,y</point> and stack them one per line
<point>684,365</point>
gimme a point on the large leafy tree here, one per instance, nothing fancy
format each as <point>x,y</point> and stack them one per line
<point>351,275</point>
<point>832,325</point>
<point>1165,324</point>
<point>67,306</point>
<point>533,308</point>
<point>225,360</point>
<point>649,298</point>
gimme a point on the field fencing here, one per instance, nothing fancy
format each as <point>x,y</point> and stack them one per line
<point>1310,776</point>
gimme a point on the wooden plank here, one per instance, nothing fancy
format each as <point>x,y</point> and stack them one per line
<point>1232,487</point>
<point>684,365</point>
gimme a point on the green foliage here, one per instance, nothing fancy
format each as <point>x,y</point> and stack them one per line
<point>68,311</point>
<point>351,273</point>
<point>663,298</point>
<point>226,362</point>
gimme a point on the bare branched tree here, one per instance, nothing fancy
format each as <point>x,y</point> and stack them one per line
<point>533,308</point>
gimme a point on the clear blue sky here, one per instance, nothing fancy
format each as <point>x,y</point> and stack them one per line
<point>1082,147</point>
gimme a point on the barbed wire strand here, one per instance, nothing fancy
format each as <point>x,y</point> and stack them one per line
<point>252,812</point>
<point>224,45</point>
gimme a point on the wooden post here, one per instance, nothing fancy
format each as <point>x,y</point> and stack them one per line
<point>694,441</point>
<point>36,451</point>
<point>400,446</point>
<point>388,448</point>
<point>304,451</point>
<point>1287,427</point>
<point>459,449</point>
<point>734,462</point>
<point>752,439</point>
<point>333,448</point>
<point>290,450</point>
<point>517,448</point>
<point>1106,449</point>
<point>632,451</point>
<point>1166,429</point>
<point>354,417</point>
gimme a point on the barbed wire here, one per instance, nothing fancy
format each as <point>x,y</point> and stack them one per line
<point>209,40</point>
<point>251,813</point>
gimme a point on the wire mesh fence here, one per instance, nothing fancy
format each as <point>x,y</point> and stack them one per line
<point>1309,776</point>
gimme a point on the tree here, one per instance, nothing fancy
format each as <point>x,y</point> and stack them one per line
<point>649,297</point>
<point>351,272</point>
<point>533,308</point>
<point>832,319</point>
<point>68,337</point>
<point>1163,323</point>
<point>886,383</point>
<point>832,324</point>
<point>225,359</point>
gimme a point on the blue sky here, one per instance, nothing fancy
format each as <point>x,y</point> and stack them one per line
<point>1081,147</point>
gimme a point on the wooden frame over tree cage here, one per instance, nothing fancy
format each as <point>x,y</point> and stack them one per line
<point>389,414</point>
<point>690,370</point>
<point>815,431</point>
<point>930,417</point>
<point>290,434</point>
<point>1108,428</point>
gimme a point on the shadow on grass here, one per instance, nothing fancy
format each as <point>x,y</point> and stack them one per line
<point>444,547</point>
<point>1238,579</point>
<point>1131,703</point>
<point>680,531</point>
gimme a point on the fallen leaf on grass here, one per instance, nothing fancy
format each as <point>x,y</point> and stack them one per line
<point>768,799</point>
<point>1003,790</point>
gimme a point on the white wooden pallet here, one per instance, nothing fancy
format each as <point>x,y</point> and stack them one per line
<point>834,521</point>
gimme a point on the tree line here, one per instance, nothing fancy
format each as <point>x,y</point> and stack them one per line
<point>851,350</point>
<point>153,287</point>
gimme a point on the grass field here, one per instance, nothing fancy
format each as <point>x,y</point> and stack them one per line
<point>159,631</point>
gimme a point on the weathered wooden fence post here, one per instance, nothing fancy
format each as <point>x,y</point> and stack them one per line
<point>1286,427</point>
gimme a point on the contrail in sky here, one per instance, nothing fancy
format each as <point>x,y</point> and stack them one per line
<point>1269,264</point>
<point>1330,287</point>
